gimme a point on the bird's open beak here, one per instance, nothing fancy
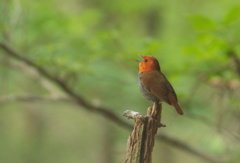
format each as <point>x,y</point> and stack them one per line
<point>141,57</point>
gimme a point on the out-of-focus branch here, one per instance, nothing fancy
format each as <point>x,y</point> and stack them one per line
<point>46,84</point>
<point>63,85</point>
<point>162,137</point>
<point>77,98</point>
<point>32,98</point>
<point>189,149</point>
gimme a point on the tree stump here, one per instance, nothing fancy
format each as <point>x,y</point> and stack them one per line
<point>141,141</point>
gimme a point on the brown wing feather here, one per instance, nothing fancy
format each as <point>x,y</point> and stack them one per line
<point>158,85</point>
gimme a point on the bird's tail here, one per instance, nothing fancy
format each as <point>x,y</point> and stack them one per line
<point>174,102</point>
<point>178,108</point>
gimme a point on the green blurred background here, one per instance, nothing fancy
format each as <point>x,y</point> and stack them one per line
<point>92,45</point>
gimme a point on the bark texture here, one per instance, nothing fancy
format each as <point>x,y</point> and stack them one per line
<point>141,141</point>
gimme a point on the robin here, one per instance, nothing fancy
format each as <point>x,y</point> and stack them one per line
<point>154,85</point>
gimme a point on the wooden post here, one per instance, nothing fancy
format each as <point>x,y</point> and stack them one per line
<point>141,141</point>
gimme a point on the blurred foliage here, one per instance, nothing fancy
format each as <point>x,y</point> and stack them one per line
<point>93,46</point>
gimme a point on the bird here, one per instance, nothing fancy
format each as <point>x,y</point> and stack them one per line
<point>154,85</point>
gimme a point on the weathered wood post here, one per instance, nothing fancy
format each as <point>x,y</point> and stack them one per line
<point>141,141</point>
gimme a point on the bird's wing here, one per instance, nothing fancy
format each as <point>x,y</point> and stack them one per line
<point>159,86</point>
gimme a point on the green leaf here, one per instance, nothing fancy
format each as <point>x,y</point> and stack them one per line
<point>232,16</point>
<point>202,23</point>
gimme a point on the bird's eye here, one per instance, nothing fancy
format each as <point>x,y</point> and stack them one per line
<point>146,60</point>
